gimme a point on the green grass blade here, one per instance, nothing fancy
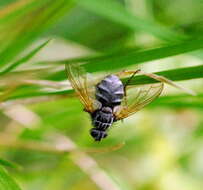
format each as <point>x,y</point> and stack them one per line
<point>6,182</point>
<point>179,101</point>
<point>16,9</point>
<point>115,12</point>
<point>28,27</point>
<point>133,57</point>
<point>25,58</point>
<point>186,73</point>
<point>175,75</point>
<point>9,164</point>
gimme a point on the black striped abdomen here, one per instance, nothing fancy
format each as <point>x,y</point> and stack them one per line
<point>103,119</point>
<point>110,91</point>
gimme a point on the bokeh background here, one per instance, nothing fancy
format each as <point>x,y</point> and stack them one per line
<point>44,133</point>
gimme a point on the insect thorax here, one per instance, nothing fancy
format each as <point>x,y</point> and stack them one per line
<point>110,91</point>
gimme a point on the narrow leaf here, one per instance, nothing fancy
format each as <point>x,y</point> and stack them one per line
<point>21,32</point>
<point>25,58</point>
<point>174,75</point>
<point>133,57</point>
<point>115,12</point>
<point>180,101</point>
<point>6,182</point>
<point>9,164</point>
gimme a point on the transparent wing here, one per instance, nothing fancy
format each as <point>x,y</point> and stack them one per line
<point>137,98</point>
<point>83,86</point>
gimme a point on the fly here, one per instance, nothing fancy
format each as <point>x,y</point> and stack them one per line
<point>110,100</point>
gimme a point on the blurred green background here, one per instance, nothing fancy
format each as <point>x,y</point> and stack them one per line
<point>44,134</point>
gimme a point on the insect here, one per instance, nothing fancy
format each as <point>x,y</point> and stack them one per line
<point>110,100</point>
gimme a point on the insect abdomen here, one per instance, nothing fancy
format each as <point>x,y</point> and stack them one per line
<point>102,120</point>
<point>101,126</point>
<point>110,91</point>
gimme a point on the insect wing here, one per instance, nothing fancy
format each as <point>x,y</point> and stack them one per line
<point>82,86</point>
<point>137,98</point>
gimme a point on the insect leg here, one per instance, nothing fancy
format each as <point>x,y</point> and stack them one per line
<point>133,74</point>
<point>124,73</point>
<point>127,73</point>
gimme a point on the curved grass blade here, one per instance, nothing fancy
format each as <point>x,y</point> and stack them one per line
<point>9,164</point>
<point>180,101</point>
<point>6,182</point>
<point>115,12</point>
<point>186,73</point>
<point>133,57</point>
<point>22,31</point>
<point>174,75</point>
<point>25,58</point>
